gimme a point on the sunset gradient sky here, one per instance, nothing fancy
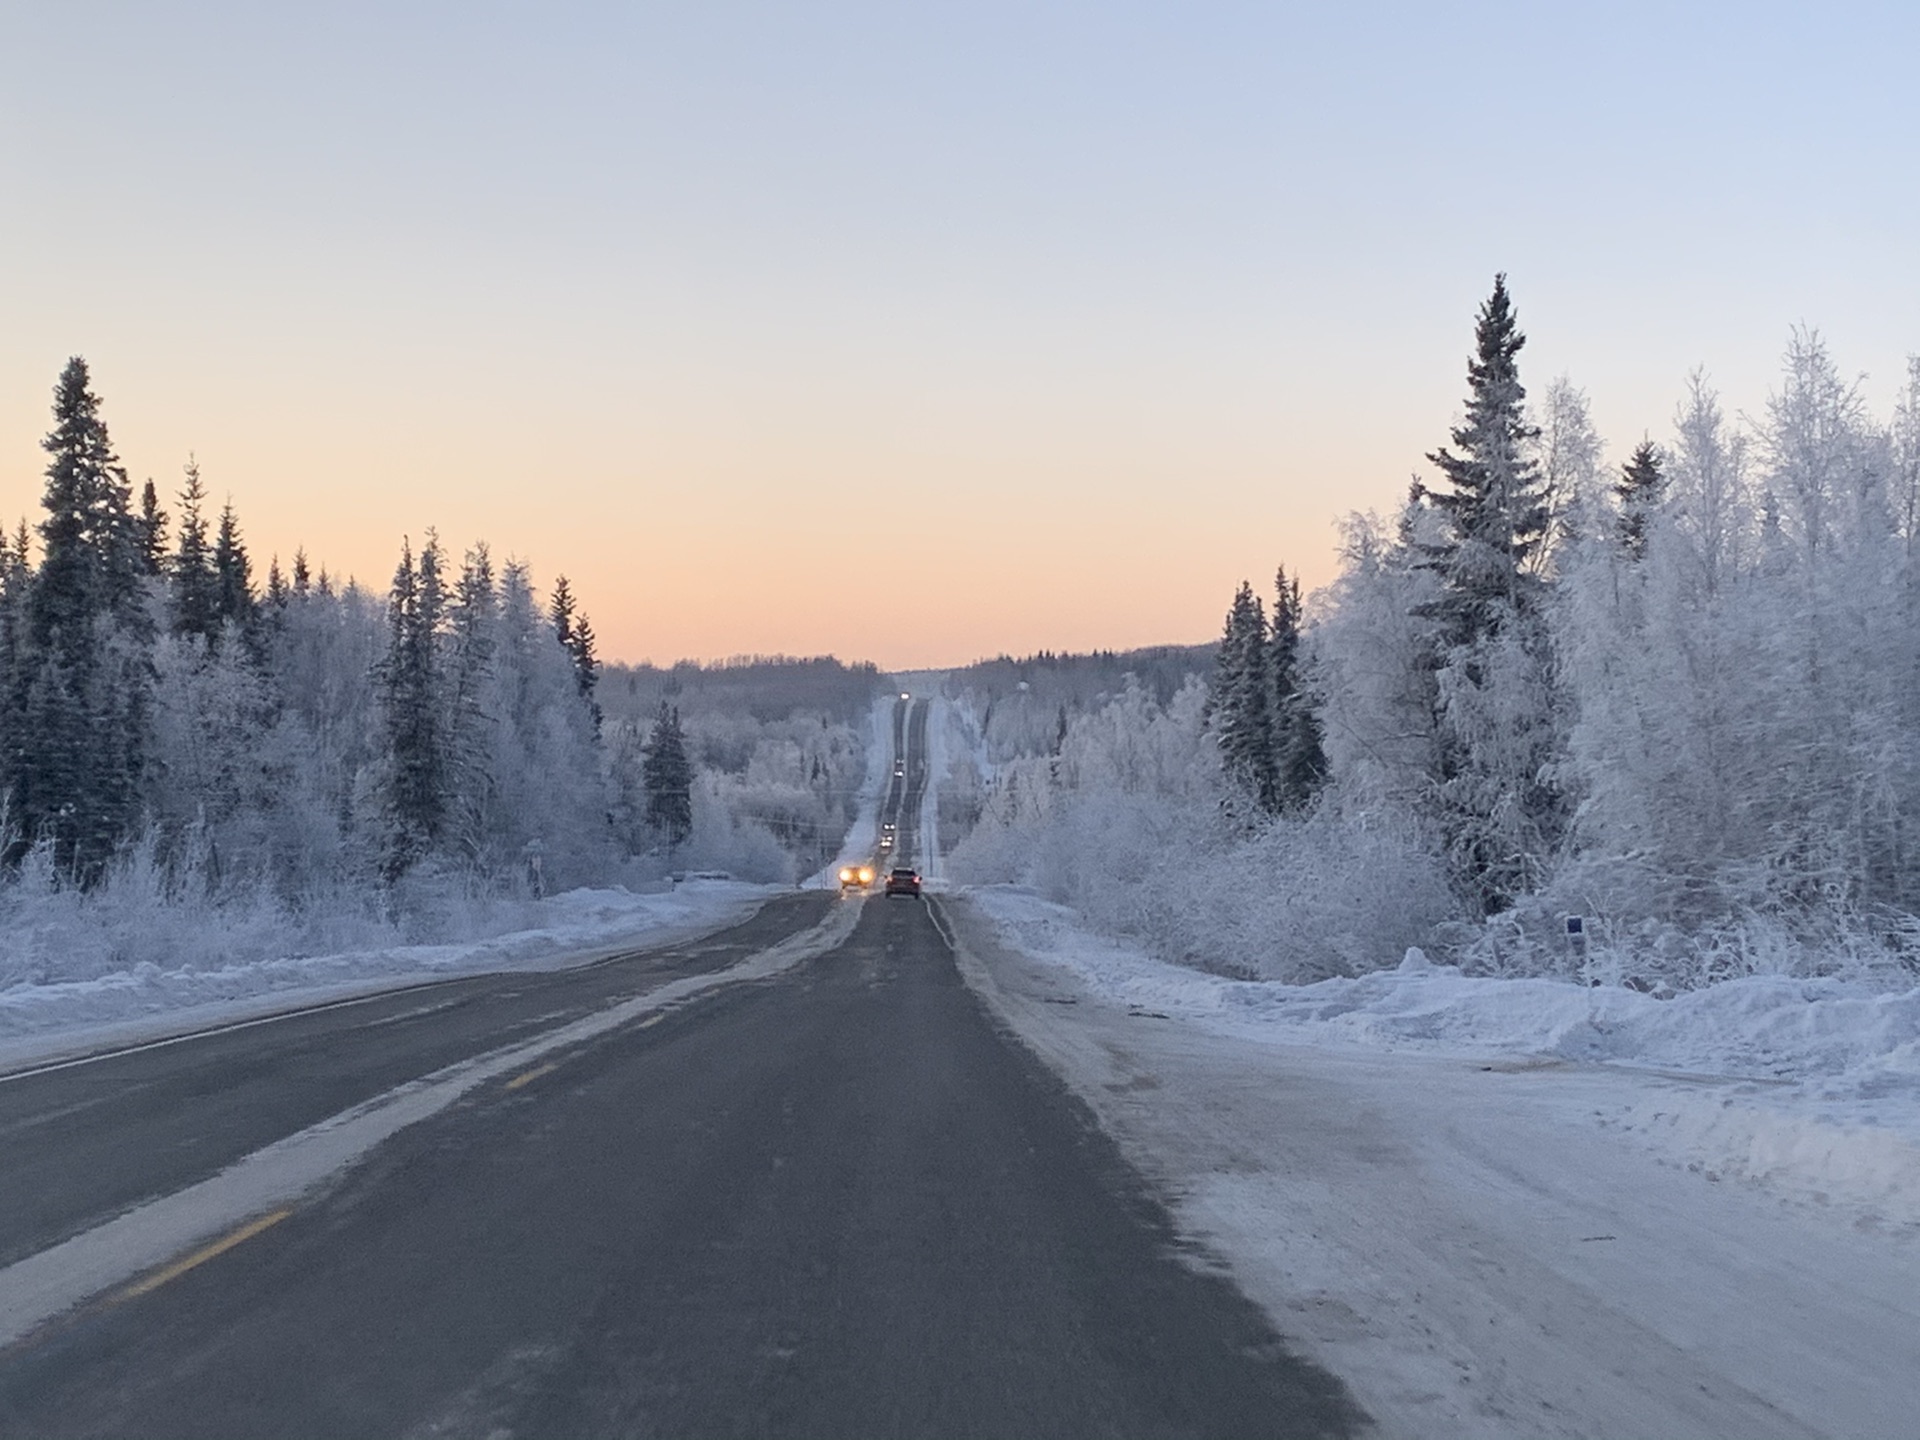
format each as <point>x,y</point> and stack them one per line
<point>912,332</point>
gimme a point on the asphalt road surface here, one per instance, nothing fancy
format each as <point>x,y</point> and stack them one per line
<point>836,1201</point>
<point>84,1140</point>
<point>906,786</point>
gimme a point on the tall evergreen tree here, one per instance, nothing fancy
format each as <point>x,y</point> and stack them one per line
<point>1495,724</point>
<point>473,644</point>
<point>87,713</point>
<point>232,572</point>
<point>89,564</point>
<point>1495,504</point>
<point>668,777</point>
<point>414,792</point>
<point>16,576</point>
<point>1300,761</point>
<point>152,531</point>
<point>1640,489</point>
<point>560,609</point>
<point>196,584</point>
<point>570,623</point>
<point>1240,712</point>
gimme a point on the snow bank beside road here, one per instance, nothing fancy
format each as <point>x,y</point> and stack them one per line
<point>1481,1236</point>
<point>146,999</point>
<point>1811,1087</point>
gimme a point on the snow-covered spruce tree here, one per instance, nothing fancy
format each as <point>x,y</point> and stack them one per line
<point>575,630</point>
<point>217,773</point>
<point>1638,494</point>
<point>86,721</point>
<point>274,597</point>
<point>413,791</point>
<point>232,574</point>
<point>194,586</point>
<point>1240,710</point>
<point>1493,796</point>
<point>668,775</point>
<point>16,576</point>
<point>586,665</point>
<point>472,664</point>
<point>152,532</point>
<point>1300,761</point>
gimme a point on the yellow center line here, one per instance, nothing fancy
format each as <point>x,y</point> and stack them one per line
<point>530,1075</point>
<point>201,1256</point>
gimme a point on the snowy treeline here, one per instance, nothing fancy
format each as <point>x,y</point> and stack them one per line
<point>1023,706</point>
<point>1008,709</point>
<point>780,749</point>
<point>1680,698</point>
<point>186,753</point>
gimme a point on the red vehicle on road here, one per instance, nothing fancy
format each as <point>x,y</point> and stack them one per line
<point>903,881</point>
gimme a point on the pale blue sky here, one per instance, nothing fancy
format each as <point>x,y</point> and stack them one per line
<point>1128,300</point>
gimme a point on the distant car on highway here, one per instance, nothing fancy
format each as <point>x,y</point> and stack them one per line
<point>855,877</point>
<point>903,881</point>
<point>899,767</point>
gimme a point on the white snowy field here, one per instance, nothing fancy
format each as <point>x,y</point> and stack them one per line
<point>1518,1208</point>
<point>147,1000</point>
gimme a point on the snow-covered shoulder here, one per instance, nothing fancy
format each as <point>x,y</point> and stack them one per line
<point>146,1000</point>
<point>1432,1187</point>
<point>1810,1086</point>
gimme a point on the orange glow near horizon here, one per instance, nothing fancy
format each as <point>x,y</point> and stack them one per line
<point>684,541</point>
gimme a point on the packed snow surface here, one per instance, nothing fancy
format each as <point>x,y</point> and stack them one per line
<point>1505,1208</point>
<point>146,999</point>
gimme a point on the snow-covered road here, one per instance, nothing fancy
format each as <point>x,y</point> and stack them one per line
<point>1490,1245</point>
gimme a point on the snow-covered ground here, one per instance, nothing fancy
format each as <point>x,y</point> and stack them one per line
<point>1518,1208</point>
<point>148,1000</point>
